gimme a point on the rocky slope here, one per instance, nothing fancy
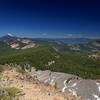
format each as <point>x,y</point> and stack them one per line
<point>31,89</point>
<point>67,83</point>
<point>52,85</point>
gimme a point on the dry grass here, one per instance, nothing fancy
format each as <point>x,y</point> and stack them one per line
<point>35,90</point>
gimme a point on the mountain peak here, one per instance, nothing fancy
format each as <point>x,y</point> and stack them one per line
<point>10,34</point>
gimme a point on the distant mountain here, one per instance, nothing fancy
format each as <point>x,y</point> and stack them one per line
<point>8,38</point>
<point>17,42</point>
<point>74,40</point>
<point>94,45</point>
<point>63,40</point>
<point>90,47</point>
<point>63,44</point>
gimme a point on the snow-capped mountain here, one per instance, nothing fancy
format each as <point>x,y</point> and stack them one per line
<point>8,38</point>
<point>10,34</point>
<point>17,42</point>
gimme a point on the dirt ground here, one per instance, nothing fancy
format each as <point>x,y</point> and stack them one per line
<point>35,90</point>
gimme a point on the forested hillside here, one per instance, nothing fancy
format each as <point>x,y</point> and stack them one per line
<point>46,58</point>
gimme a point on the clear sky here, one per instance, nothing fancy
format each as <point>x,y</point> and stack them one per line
<point>50,18</point>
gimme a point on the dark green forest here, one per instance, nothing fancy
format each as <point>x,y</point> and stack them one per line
<point>70,62</point>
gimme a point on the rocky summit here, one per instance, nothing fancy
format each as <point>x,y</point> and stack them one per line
<point>86,88</point>
<point>15,85</point>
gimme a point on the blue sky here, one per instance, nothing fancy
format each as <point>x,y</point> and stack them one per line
<point>50,18</point>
